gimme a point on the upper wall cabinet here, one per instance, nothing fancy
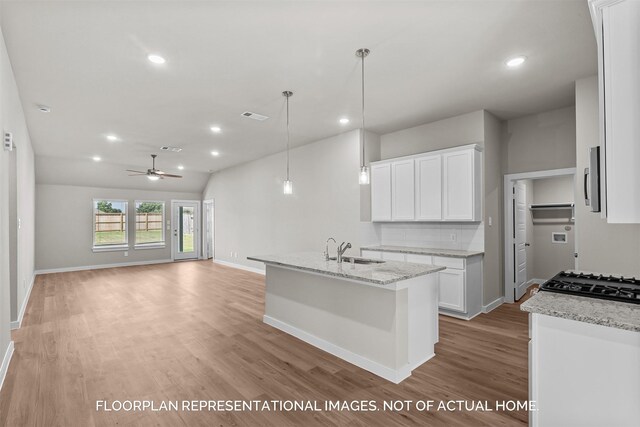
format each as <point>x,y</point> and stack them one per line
<point>381,197</point>
<point>429,188</point>
<point>461,189</point>
<point>617,26</point>
<point>402,191</point>
<point>442,185</point>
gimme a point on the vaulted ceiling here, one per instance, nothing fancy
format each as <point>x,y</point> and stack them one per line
<point>429,60</point>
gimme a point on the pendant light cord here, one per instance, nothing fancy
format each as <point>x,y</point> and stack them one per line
<point>287,138</point>
<point>363,110</point>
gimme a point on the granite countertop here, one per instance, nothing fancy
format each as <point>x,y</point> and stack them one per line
<point>615,314</point>
<point>453,253</point>
<point>379,273</point>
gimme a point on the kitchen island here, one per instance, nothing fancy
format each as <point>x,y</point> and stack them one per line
<point>380,316</point>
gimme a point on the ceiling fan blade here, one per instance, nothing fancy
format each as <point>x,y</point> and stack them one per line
<point>137,174</point>
<point>168,175</point>
<point>129,170</point>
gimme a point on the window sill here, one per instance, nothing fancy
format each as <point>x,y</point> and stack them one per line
<point>110,248</point>
<point>150,246</point>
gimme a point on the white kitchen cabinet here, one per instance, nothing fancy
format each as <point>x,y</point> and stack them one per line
<point>428,186</point>
<point>617,27</point>
<point>461,186</point>
<point>381,192</point>
<point>371,254</point>
<point>452,291</point>
<point>393,256</point>
<point>582,374</point>
<point>460,284</point>
<point>402,190</point>
<point>443,185</point>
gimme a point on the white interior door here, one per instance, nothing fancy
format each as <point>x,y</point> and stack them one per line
<point>185,235</point>
<point>519,239</point>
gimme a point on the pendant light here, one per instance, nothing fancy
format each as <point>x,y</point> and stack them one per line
<point>364,170</point>
<point>288,185</point>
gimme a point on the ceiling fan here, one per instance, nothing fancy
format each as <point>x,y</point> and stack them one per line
<point>153,174</point>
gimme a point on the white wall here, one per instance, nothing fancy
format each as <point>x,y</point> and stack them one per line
<point>17,187</point>
<point>602,247</point>
<point>540,141</point>
<point>64,225</point>
<point>253,217</point>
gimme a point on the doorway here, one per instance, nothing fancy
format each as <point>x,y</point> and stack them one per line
<point>185,236</point>
<point>539,233</point>
<point>208,230</point>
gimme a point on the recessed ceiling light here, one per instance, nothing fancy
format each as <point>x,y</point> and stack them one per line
<point>96,158</point>
<point>215,129</point>
<point>344,121</point>
<point>215,153</point>
<point>112,138</point>
<point>516,61</point>
<point>44,109</point>
<point>180,167</point>
<point>156,59</point>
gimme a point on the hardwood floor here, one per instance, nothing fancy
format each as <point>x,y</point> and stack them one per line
<point>194,331</point>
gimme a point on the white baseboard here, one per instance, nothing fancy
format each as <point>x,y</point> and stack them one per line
<point>538,281</point>
<point>100,266</point>
<point>239,266</point>
<point>17,323</point>
<point>389,374</point>
<point>5,363</point>
<point>493,305</point>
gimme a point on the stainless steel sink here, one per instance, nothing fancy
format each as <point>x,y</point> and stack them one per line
<point>356,260</point>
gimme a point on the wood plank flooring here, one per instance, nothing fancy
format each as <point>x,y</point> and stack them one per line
<point>194,331</point>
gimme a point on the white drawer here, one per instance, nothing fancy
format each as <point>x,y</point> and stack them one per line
<point>457,263</point>
<point>420,259</point>
<point>371,254</point>
<point>393,256</point>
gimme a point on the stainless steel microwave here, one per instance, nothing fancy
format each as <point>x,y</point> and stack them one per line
<point>592,180</point>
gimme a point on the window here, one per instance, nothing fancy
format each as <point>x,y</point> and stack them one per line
<point>149,224</point>
<point>109,225</point>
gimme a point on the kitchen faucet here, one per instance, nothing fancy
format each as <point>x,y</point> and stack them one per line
<point>326,248</point>
<point>341,250</point>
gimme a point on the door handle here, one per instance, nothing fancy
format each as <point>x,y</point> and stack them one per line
<point>527,244</point>
<point>587,202</point>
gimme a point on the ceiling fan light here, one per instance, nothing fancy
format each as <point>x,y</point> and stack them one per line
<point>153,177</point>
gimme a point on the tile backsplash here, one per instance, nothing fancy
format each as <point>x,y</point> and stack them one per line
<point>463,236</point>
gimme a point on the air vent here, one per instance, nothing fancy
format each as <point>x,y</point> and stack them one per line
<point>174,149</point>
<point>254,116</point>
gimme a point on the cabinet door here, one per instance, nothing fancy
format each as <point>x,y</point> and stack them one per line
<point>381,192</point>
<point>402,190</point>
<point>458,186</point>
<point>429,188</point>
<point>452,290</point>
<point>393,256</point>
<point>419,259</point>
<point>621,61</point>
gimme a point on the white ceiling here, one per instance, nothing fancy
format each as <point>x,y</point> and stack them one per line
<point>429,60</point>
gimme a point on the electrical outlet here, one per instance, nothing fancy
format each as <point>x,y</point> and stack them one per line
<point>490,221</point>
<point>453,237</point>
<point>126,253</point>
<point>231,254</point>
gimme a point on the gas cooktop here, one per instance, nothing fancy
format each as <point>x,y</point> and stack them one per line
<point>590,285</point>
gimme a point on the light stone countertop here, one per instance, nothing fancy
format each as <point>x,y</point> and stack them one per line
<point>453,253</point>
<point>379,273</point>
<point>614,314</point>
